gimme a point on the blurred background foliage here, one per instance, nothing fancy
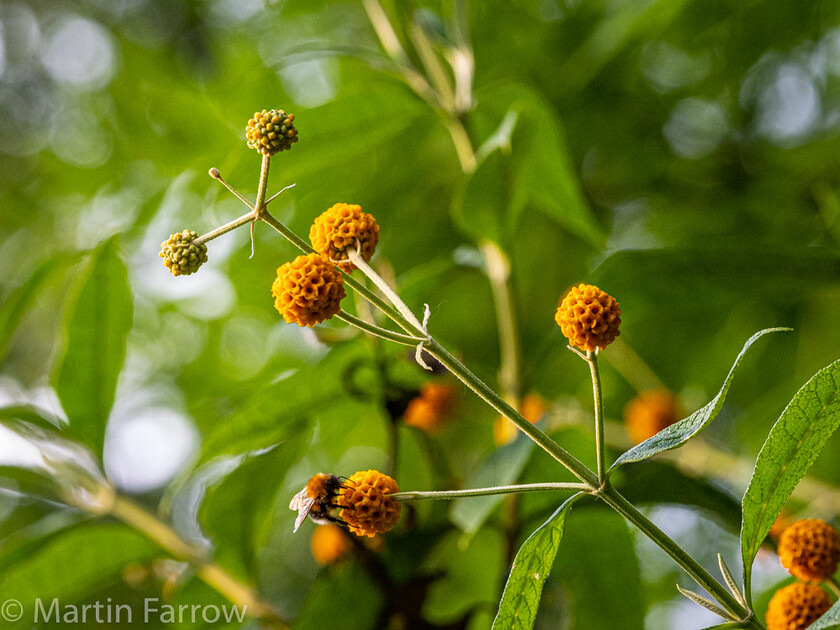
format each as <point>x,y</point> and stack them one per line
<point>682,155</point>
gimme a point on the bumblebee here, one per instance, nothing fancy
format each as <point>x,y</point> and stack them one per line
<point>317,500</point>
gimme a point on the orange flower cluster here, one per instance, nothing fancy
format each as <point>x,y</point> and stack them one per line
<point>366,507</point>
<point>343,227</point>
<point>796,607</point>
<point>650,412</point>
<point>431,408</point>
<point>308,290</point>
<point>589,317</point>
<point>810,550</point>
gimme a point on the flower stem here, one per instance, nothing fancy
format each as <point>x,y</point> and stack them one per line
<point>483,492</point>
<point>224,229</point>
<point>241,595</point>
<point>498,271</point>
<point>592,360</point>
<point>259,205</point>
<point>621,505</point>
<point>834,586</point>
<point>405,340</point>
<point>356,258</point>
<point>574,465</point>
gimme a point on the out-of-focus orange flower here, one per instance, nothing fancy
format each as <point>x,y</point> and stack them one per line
<point>650,412</point>
<point>328,544</point>
<point>432,407</point>
<point>533,407</point>
<point>810,550</point>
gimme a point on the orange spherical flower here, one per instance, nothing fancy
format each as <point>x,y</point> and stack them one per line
<point>366,507</point>
<point>650,412</point>
<point>271,131</point>
<point>810,550</point>
<point>343,227</point>
<point>532,409</point>
<point>328,544</point>
<point>308,290</point>
<point>431,408</point>
<point>796,607</point>
<point>588,317</point>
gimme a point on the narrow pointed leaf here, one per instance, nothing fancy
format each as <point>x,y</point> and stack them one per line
<point>730,581</point>
<point>705,603</point>
<point>829,621</point>
<point>533,562</point>
<point>795,441</point>
<point>679,433</point>
<point>96,329</point>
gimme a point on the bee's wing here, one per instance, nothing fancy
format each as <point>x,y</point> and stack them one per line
<point>298,500</point>
<point>303,503</point>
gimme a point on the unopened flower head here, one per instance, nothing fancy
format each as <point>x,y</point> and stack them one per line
<point>366,505</point>
<point>796,607</point>
<point>432,407</point>
<point>341,228</point>
<point>271,131</point>
<point>810,550</point>
<point>589,317</point>
<point>329,544</point>
<point>532,409</point>
<point>308,290</point>
<point>180,255</point>
<point>650,412</point>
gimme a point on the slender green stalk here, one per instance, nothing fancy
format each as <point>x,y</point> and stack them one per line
<point>592,360</point>
<point>621,505</point>
<point>483,492</point>
<point>241,595</point>
<point>375,330</point>
<point>498,271</point>
<point>215,174</point>
<point>224,229</point>
<point>356,258</point>
<point>574,465</point>
<point>834,586</point>
<point>259,205</point>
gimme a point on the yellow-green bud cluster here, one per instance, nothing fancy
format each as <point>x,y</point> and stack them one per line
<point>180,255</point>
<point>271,131</point>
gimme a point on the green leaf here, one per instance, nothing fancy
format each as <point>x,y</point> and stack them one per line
<point>95,332</point>
<point>30,481</point>
<point>598,555</point>
<point>72,565</point>
<point>536,167</point>
<point>679,433</point>
<point>237,513</point>
<point>18,301</point>
<point>485,200</point>
<point>33,415</point>
<point>794,443</point>
<point>502,467</point>
<point>829,621</point>
<point>282,409</point>
<point>530,570</point>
